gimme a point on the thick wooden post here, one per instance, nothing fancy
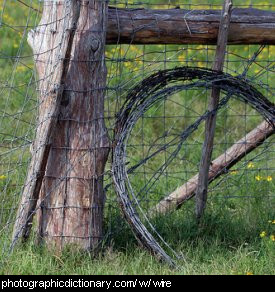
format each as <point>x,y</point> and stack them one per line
<point>71,198</point>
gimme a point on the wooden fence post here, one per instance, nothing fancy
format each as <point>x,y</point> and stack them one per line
<point>69,43</point>
<point>210,124</point>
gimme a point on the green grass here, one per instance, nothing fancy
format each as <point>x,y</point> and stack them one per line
<point>240,207</point>
<point>227,242</point>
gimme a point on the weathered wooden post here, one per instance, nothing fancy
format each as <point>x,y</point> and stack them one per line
<point>210,125</point>
<point>71,145</point>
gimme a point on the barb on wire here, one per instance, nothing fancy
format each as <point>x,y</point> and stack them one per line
<point>139,100</point>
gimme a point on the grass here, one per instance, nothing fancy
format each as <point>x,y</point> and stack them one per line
<point>235,236</point>
<point>227,242</point>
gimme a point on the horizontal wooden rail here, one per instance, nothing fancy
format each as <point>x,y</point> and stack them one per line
<point>177,26</point>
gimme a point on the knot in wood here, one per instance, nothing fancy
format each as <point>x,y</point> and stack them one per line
<point>95,44</point>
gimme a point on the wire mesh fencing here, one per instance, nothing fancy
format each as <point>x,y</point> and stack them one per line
<point>157,162</point>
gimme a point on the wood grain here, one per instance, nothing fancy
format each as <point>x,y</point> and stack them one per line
<point>51,49</point>
<point>72,198</point>
<point>72,195</point>
<point>210,123</point>
<point>173,26</point>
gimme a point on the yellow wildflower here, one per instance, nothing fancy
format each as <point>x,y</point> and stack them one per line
<point>121,51</point>
<point>199,47</point>
<point>269,178</point>
<point>250,165</point>
<point>2,177</point>
<point>249,273</point>
<point>200,64</point>
<point>272,237</point>
<point>273,222</point>
<point>263,234</point>
<point>234,172</point>
<point>21,68</point>
<point>181,58</point>
<point>258,178</point>
<point>128,64</point>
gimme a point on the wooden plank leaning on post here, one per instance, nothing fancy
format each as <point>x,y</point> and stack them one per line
<point>210,125</point>
<point>219,166</point>
<point>52,66</point>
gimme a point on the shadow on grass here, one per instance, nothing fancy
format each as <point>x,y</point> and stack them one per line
<point>227,223</point>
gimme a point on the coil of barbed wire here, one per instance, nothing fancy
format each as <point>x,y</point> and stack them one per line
<point>155,88</point>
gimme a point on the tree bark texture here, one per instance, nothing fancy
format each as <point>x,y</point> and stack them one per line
<point>71,198</point>
<point>51,50</point>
